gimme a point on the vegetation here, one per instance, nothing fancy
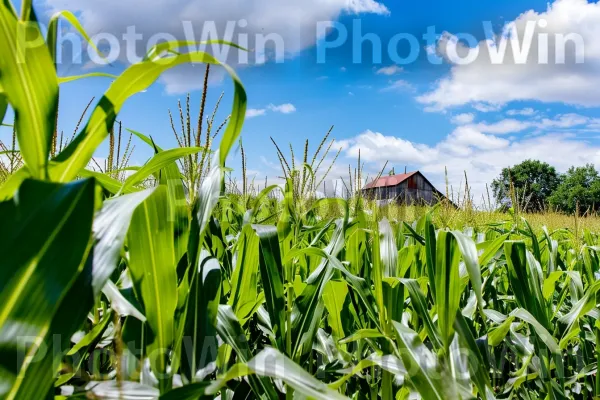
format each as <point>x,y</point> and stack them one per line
<point>535,187</point>
<point>579,191</point>
<point>160,284</point>
<point>531,182</point>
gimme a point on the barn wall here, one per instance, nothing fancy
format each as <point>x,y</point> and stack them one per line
<point>414,190</point>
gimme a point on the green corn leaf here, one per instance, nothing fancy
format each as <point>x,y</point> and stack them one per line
<point>178,203</point>
<point>389,363</point>
<point>272,364</point>
<point>110,184</point>
<point>179,210</point>
<point>73,78</point>
<point>71,314</point>
<point>423,367</point>
<point>244,283</point>
<point>308,307</point>
<point>496,335</point>
<point>46,219</point>
<point>201,319</point>
<point>137,78</point>
<point>272,279</point>
<point>541,331</point>
<point>526,280</point>
<point>28,80</point>
<point>492,248</point>
<point>110,229</point>
<point>478,363</point>
<point>419,304</point>
<point>430,253</point>
<point>93,335</point>
<point>153,270</point>
<point>160,160</point>
<point>3,106</point>
<point>468,249</point>
<point>362,334</point>
<point>388,251</point>
<point>123,306</point>
<point>192,391</point>
<point>334,296</point>
<point>447,284</point>
<point>52,35</point>
<point>231,332</point>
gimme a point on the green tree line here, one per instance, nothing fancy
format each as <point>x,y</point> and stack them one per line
<point>535,186</point>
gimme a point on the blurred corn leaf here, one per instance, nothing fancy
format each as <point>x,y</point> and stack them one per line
<point>28,80</point>
<point>44,220</point>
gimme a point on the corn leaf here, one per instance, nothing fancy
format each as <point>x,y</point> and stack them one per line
<point>46,219</point>
<point>28,79</point>
<point>135,79</point>
<point>153,270</point>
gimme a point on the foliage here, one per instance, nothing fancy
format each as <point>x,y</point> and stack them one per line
<point>579,191</point>
<point>532,182</point>
<point>110,289</point>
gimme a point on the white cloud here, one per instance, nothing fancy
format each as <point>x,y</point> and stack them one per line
<point>294,21</point>
<point>398,85</point>
<point>389,71</point>
<point>510,125</point>
<point>462,119</point>
<point>504,126</point>
<point>375,146</point>
<point>286,108</point>
<point>255,112</point>
<point>495,85</point>
<point>486,107</point>
<point>525,112</point>
<point>564,121</point>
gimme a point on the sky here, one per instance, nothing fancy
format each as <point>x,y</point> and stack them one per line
<point>434,103</point>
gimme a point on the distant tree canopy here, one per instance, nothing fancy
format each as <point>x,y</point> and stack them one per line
<point>534,181</point>
<point>580,187</point>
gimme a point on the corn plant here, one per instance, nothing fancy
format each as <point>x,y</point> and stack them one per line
<point>113,287</point>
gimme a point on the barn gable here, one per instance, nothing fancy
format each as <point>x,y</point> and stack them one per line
<point>408,188</point>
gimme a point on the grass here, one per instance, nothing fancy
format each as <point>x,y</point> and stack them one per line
<point>171,281</point>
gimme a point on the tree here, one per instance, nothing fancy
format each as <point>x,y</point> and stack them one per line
<point>534,181</point>
<point>580,187</point>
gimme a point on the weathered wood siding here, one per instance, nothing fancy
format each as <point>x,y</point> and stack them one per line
<point>414,190</point>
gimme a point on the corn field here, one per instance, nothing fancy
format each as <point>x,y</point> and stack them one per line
<point>159,283</point>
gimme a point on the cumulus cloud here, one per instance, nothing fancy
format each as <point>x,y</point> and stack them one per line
<point>282,108</point>
<point>462,119</point>
<point>571,28</point>
<point>255,112</point>
<point>286,108</point>
<point>285,27</point>
<point>526,112</point>
<point>389,71</point>
<point>398,85</point>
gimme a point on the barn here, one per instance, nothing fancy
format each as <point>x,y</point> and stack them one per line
<point>407,188</point>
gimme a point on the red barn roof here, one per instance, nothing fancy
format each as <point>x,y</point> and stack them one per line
<point>393,180</point>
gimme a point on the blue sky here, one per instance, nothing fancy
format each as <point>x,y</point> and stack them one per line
<point>476,117</point>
